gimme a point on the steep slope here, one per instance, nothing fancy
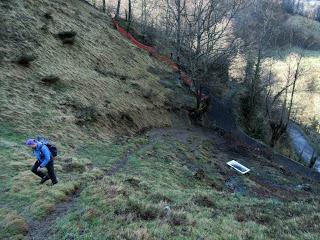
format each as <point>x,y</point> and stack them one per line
<point>165,184</point>
<point>101,82</point>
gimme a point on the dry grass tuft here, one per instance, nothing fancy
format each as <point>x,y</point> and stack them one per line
<point>139,234</point>
<point>13,223</point>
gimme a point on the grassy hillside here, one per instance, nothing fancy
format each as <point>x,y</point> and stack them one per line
<point>101,83</point>
<point>306,32</point>
<point>95,99</point>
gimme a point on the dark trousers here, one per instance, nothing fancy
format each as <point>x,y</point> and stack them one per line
<point>51,175</point>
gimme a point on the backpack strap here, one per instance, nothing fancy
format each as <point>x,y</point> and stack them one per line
<point>41,152</point>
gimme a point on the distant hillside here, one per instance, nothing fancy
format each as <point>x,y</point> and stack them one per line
<point>306,32</point>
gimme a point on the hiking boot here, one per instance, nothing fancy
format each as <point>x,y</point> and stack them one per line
<point>55,182</point>
<point>44,179</point>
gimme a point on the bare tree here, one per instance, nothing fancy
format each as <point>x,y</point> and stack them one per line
<point>129,17</point>
<point>104,5</point>
<point>118,10</point>
<point>317,14</point>
<point>144,13</point>
<point>208,35</point>
<point>258,25</point>
<point>279,111</point>
<point>177,8</point>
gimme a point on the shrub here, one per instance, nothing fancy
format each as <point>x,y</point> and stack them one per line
<point>140,210</point>
<point>159,197</point>
<point>147,93</point>
<point>143,211</point>
<point>200,174</point>
<point>25,59</point>
<point>86,114</point>
<point>51,79</point>
<point>133,181</point>
<point>204,201</point>
<point>48,16</point>
<point>67,37</point>
<point>178,219</point>
<point>74,166</point>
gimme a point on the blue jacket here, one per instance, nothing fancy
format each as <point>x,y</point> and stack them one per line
<point>42,154</point>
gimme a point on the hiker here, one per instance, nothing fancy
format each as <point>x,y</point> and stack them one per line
<point>44,160</point>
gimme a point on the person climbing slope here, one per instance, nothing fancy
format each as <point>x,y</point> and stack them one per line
<point>44,160</point>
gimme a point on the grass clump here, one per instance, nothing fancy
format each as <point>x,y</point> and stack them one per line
<point>204,201</point>
<point>139,234</point>
<point>139,210</point>
<point>12,224</point>
<point>160,197</point>
<point>74,165</point>
<point>178,219</point>
<point>87,114</point>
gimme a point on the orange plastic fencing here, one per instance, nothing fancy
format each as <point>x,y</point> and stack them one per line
<point>129,36</point>
<point>151,50</point>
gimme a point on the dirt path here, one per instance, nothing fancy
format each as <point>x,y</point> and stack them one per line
<point>39,230</point>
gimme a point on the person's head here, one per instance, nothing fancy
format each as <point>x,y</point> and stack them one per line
<point>32,143</point>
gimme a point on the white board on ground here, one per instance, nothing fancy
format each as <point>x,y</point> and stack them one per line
<point>238,167</point>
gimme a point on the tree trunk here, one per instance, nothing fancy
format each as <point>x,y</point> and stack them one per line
<point>178,40</point>
<point>143,16</point>
<point>104,5</point>
<point>118,10</point>
<point>129,15</point>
